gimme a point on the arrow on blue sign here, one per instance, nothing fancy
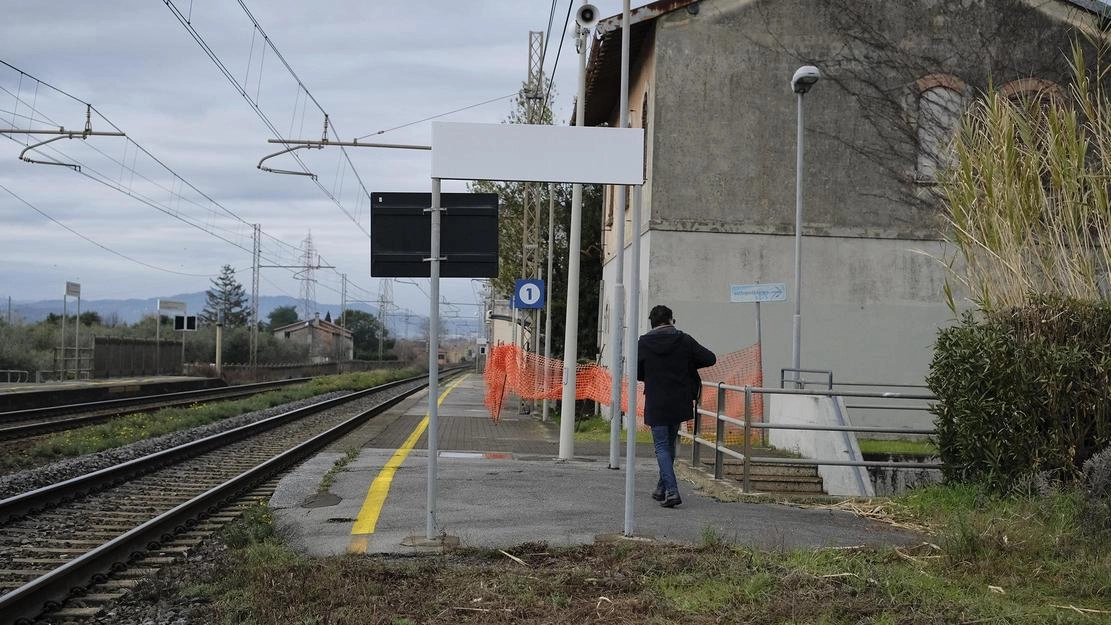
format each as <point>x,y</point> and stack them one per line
<point>770,292</point>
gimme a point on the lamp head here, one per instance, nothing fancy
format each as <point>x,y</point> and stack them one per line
<point>804,78</point>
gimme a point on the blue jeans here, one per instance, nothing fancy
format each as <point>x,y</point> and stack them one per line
<point>664,437</point>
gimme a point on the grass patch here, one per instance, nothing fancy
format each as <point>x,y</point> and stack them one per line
<point>136,427</point>
<point>597,430</point>
<point>330,477</point>
<point>897,447</point>
<point>1017,560</point>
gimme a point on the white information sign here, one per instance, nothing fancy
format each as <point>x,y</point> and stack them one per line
<point>770,292</point>
<point>537,153</point>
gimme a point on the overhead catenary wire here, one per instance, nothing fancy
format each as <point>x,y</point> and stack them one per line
<point>559,51</point>
<point>241,89</point>
<point>98,244</point>
<point>283,254</point>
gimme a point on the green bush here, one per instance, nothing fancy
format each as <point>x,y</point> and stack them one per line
<point>1023,391</point>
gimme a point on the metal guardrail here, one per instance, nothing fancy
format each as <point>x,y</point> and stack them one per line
<point>20,376</point>
<point>745,456</point>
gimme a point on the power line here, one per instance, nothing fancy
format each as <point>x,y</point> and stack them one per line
<point>559,51</point>
<point>413,123</point>
<point>241,89</point>
<point>274,256</point>
<point>100,245</point>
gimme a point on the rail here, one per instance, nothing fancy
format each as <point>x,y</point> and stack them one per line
<point>749,426</point>
<point>25,603</point>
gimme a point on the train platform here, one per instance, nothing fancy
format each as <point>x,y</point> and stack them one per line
<point>18,395</point>
<point>501,485</point>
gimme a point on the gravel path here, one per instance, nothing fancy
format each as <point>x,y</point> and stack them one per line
<point>30,479</point>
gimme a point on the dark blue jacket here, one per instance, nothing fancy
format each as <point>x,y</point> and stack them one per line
<point>668,361</point>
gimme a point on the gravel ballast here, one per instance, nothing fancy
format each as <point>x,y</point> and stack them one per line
<point>31,479</point>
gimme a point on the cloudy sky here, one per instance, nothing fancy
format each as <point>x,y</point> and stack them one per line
<point>173,201</point>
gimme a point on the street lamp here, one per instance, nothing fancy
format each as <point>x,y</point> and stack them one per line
<point>801,82</point>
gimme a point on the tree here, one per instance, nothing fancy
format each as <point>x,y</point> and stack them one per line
<point>90,318</point>
<point>226,295</point>
<point>281,316</point>
<point>511,216</point>
<point>366,333</point>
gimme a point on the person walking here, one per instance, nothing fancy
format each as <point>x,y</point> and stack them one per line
<point>668,361</point>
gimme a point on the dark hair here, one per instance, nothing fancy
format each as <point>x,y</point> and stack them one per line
<point>659,315</point>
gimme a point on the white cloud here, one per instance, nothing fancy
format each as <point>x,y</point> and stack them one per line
<point>371,65</point>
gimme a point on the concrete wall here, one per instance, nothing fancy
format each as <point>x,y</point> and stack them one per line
<point>818,445</point>
<point>720,199</point>
<point>725,116</point>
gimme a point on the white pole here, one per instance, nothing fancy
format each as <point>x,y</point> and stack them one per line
<point>571,326</point>
<point>219,348</point>
<point>433,364</point>
<point>617,306</point>
<point>796,326</point>
<point>548,301</point>
<point>631,364</point>
<point>77,340</point>
<point>157,336</point>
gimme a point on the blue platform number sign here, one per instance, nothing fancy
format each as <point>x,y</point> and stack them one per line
<point>528,294</point>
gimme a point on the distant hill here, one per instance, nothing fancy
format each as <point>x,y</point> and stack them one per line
<point>131,310</point>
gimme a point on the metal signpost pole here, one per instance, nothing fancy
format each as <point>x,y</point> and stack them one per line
<point>571,324</point>
<point>77,339</point>
<point>617,307</point>
<point>631,364</point>
<point>433,365</point>
<point>157,336</point>
<point>65,313</point>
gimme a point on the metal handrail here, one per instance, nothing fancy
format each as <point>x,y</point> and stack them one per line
<point>746,457</point>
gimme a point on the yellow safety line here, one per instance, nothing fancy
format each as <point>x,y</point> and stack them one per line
<point>367,520</point>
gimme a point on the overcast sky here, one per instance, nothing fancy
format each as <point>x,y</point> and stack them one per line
<point>371,65</point>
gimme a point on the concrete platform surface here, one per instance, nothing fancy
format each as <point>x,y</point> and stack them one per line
<point>500,490</point>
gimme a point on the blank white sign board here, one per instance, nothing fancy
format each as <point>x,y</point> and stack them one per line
<point>535,153</point>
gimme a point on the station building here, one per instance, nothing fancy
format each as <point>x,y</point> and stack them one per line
<point>710,85</point>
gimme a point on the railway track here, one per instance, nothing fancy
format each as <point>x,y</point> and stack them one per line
<point>22,424</point>
<point>68,549</point>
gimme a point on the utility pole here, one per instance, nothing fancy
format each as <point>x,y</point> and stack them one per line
<point>533,94</point>
<point>385,302</point>
<point>308,280</point>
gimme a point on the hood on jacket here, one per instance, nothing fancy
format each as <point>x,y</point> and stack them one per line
<point>662,340</point>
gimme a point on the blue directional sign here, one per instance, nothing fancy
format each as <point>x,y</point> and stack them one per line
<point>770,292</point>
<point>528,294</point>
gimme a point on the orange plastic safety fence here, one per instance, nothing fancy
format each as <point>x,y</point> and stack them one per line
<point>509,370</point>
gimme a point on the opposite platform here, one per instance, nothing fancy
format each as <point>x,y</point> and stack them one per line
<point>501,485</point>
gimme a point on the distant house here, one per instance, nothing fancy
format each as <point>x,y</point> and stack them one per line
<point>327,342</point>
<point>710,86</point>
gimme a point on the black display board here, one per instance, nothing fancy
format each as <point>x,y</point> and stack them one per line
<point>400,232</point>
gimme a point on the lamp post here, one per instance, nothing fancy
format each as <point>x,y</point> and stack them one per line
<point>801,82</point>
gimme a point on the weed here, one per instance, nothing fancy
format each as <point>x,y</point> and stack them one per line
<point>339,465</point>
<point>897,447</point>
<point>255,526</point>
<point>131,428</point>
<point>711,538</point>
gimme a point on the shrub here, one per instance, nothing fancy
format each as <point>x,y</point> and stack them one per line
<point>1023,391</point>
<point>1096,516</point>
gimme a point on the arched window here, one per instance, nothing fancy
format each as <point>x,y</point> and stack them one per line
<point>941,101</point>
